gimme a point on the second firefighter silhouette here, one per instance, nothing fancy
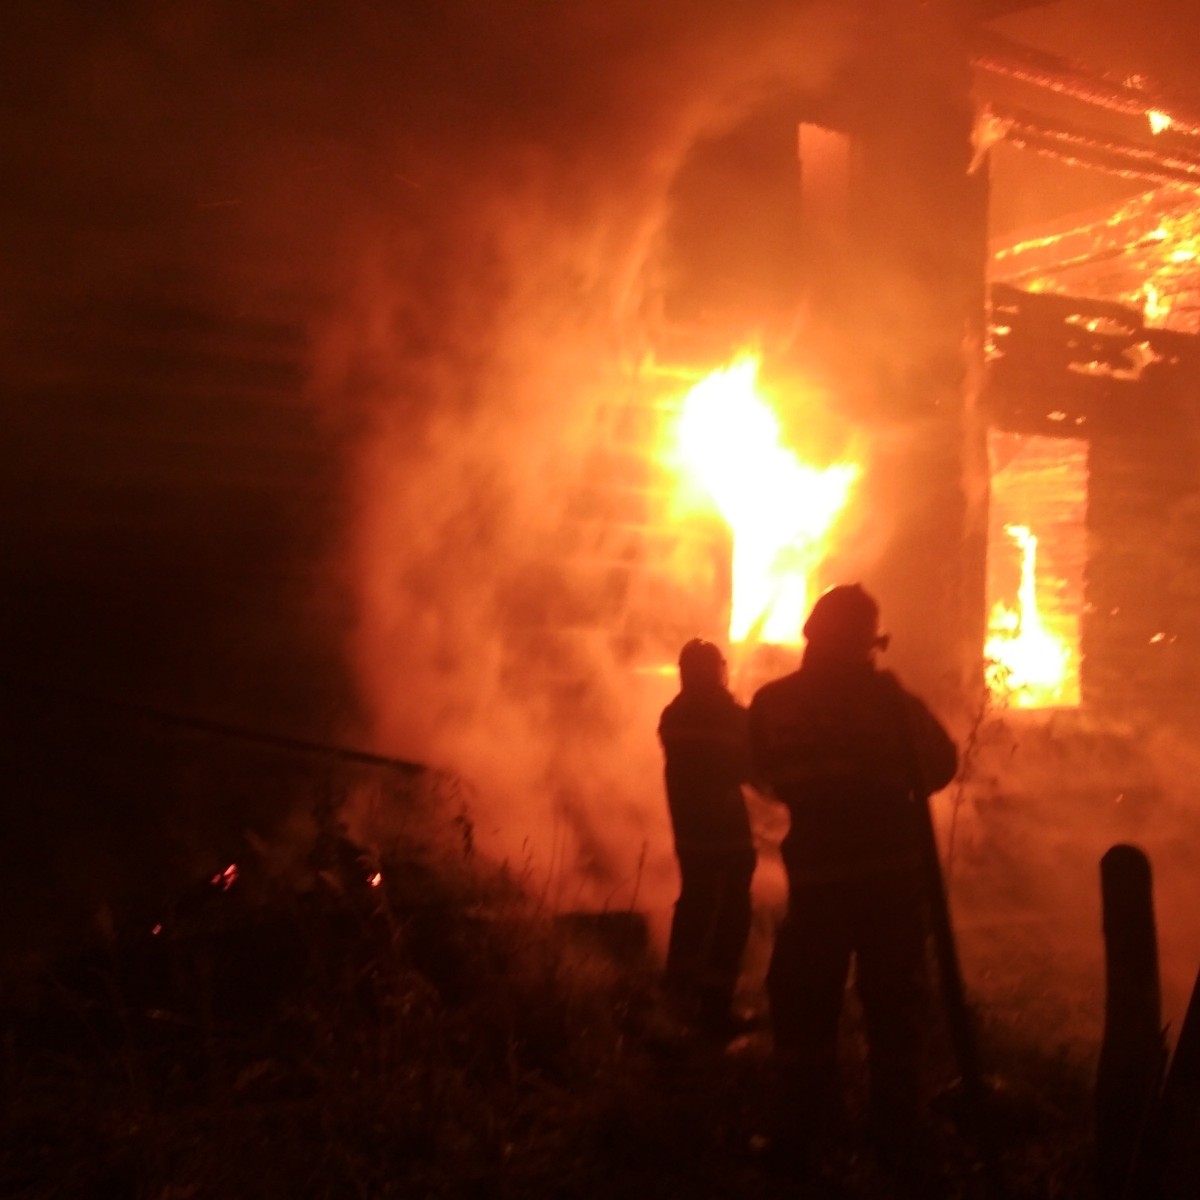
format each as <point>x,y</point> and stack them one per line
<point>851,754</point>
<point>707,753</point>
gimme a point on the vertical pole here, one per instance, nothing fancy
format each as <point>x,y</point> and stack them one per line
<point>1131,1056</point>
<point>1181,1110</point>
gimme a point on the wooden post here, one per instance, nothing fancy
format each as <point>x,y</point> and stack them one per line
<point>1181,1110</point>
<point>1132,1055</point>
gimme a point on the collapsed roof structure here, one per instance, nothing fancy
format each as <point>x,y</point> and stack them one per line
<point>1093,321</point>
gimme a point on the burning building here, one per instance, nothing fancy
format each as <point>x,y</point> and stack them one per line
<point>1092,386</point>
<point>850,381</point>
<point>1092,389</point>
<point>449,372</point>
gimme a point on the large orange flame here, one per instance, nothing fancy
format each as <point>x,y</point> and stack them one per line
<point>779,510</point>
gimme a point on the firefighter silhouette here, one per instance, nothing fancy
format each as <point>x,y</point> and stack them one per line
<point>707,757</point>
<point>839,742</point>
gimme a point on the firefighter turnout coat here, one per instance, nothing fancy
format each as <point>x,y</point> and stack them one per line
<point>707,756</point>
<point>845,747</point>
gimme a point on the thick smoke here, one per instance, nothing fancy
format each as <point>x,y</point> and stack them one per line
<point>1041,797</point>
<point>498,297</point>
<point>315,312</point>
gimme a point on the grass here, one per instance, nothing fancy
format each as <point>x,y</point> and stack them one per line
<point>300,1032</point>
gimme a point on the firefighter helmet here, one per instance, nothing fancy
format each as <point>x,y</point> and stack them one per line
<point>701,663</point>
<point>845,620</point>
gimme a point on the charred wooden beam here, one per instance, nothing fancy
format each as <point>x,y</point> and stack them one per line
<point>1072,367</point>
<point>1000,55</point>
<point>1100,151</point>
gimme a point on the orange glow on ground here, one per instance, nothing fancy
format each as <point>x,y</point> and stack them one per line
<point>779,509</point>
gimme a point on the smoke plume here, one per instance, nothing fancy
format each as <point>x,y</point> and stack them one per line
<point>496,298</point>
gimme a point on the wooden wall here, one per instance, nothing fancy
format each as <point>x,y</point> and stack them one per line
<point>1088,369</point>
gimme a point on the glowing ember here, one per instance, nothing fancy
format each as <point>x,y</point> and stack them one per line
<point>376,879</point>
<point>226,878</point>
<point>1026,663</point>
<point>1158,120</point>
<point>778,509</point>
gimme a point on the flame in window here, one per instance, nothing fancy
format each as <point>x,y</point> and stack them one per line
<point>778,509</point>
<point>1026,663</point>
<point>1036,567</point>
